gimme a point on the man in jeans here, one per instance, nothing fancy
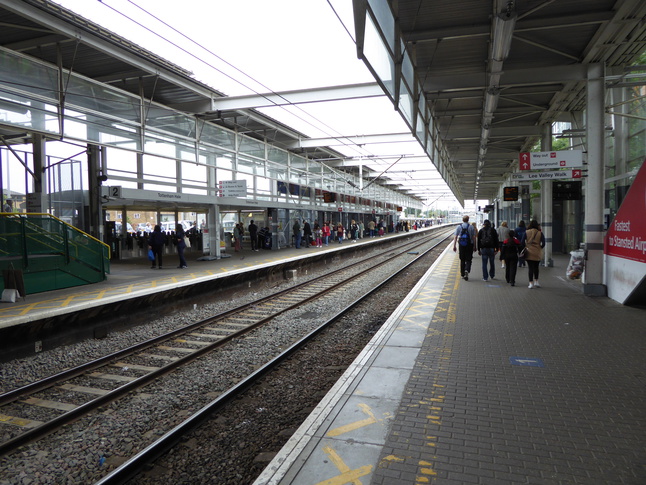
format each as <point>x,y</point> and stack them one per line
<point>465,236</point>
<point>487,248</point>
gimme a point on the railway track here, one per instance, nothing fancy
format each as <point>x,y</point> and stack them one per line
<point>120,373</point>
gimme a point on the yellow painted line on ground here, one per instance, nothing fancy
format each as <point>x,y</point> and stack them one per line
<point>357,424</point>
<point>347,475</point>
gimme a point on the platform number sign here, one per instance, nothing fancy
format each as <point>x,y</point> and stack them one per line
<point>115,192</point>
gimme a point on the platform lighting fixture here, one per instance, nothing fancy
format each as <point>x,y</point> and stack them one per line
<point>504,24</point>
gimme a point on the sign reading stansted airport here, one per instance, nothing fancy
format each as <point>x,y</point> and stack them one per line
<point>550,160</point>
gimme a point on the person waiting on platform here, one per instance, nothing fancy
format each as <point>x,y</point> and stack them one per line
<point>339,232</point>
<point>253,236</point>
<point>7,206</point>
<point>238,234</point>
<point>318,233</point>
<point>327,232</point>
<point>371,228</point>
<point>296,230</point>
<point>181,245</point>
<point>307,234</point>
<point>156,242</point>
<point>466,236</point>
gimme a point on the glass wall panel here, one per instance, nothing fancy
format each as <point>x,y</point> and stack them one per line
<point>249,178</point>
<point>27,114</point>
<point>298,163</point>
<point>378,57</point>
<point>90,95</point>
<point>384,16</point>
<point>249,165</point>
<point>251,146</point>
<point>277,171</point>
<point>420,130</point>
<point>195,176</point>
<point>214,135</point>
<point>123,164</point>
<point>169,146</point>
<point>263,188</point>
<point>158,169</point>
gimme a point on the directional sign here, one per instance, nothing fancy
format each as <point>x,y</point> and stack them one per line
<point>232,188</point>
<point>550,160</point>
<point>547,175</point>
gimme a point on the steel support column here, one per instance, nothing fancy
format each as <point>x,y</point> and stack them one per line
<point>594,195</point>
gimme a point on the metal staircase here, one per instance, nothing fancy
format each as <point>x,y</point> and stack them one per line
<point>50,253</point>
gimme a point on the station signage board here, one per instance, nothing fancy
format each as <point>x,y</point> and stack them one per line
<point>550,160</point>
<point>510,194</point>
<point>232,188</point>
<point>547,175</point>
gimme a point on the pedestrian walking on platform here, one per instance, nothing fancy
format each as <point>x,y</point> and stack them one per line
<point>534,241</point>
<point>503,235</point>
<point>318,233</point>
<point>339,232</point>
<point>238,234</point>
<point>487,248</point>
<point>509,253</point>
<point>156,242</point>
<point>520,235</point>
<point>465,237</point>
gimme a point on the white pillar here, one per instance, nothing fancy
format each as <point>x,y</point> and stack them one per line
<point>547,216</point>
<point>594,194</point>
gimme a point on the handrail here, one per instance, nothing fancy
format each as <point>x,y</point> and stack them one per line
<point>27,214</point>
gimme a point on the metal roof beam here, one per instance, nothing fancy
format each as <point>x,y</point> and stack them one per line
<point>299,96</point>
<point>353,140</point>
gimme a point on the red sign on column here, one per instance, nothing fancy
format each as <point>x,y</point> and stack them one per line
<point>524,161</point>
<point>576,174</point>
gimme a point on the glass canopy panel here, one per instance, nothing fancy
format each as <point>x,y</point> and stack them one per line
<point>277,155</point>
<point>89,95</point>
<point>378,57</point>
<point>277,171</point>
<point>169,121</point>
<point>33,79</point>
<point>408,71</point>
<point>420,130</point>
<point>213,135</point>
<point>406,103</point>
<point>250,146</point>
<point>384,16</point>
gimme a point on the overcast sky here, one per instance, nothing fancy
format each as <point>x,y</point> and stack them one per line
<point>243,47</point>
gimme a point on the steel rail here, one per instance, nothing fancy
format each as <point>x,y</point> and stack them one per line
<point>84,409</point>
<point>134,465</point>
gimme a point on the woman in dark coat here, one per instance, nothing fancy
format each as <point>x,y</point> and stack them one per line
<point>156,242</point>
<point>181,245</point>
<point>509,254</point>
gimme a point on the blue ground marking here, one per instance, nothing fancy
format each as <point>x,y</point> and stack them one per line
<point>530,361</point>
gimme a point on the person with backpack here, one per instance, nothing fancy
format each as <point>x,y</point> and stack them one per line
<point>487,248</point>
<point>465,235</point>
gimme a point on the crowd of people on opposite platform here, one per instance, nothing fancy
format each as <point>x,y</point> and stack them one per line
<point>515,248</point>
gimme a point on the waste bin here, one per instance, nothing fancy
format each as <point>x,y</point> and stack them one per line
<point>228,239</point>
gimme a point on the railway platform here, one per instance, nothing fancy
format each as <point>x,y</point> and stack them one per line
<point>44,320</point>
<point>484,383</point>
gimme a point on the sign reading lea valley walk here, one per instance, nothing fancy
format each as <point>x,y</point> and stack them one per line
<point>550,160</point>
<point>547,175</point>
